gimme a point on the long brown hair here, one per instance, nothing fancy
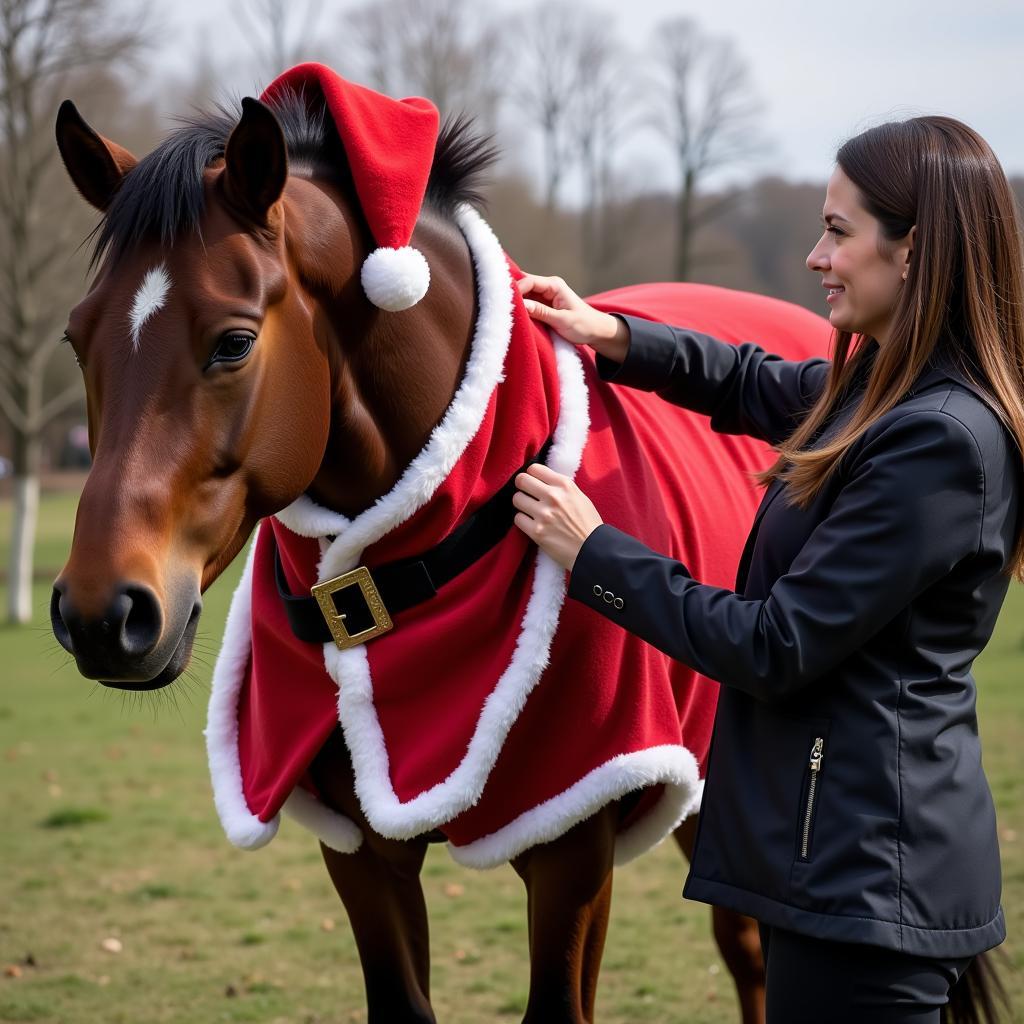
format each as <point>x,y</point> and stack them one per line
<point>963,297</point>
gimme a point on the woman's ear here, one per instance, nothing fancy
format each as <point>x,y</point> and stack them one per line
<point>907,249</point>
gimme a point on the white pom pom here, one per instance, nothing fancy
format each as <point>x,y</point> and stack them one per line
<point>395,279</point>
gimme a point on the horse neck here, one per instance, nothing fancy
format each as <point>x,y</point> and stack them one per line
<point>392,375</point>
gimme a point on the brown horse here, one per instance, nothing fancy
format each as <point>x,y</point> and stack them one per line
<point>198,433</point>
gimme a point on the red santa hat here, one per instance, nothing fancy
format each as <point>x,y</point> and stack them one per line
<point>389,144</point>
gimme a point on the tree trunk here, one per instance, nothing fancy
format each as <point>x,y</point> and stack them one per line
<point>552,168</point>
<point>684,227</point>
<point>588,218</point>
<point>23,531</point>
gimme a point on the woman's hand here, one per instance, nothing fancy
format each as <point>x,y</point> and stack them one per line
<point>551,301</point>
<point>554,512</point>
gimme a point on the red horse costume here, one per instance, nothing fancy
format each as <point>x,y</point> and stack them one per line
<point>495,711</point>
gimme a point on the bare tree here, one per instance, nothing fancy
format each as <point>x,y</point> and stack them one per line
<point>278,30</point>
<point>606,93</point>
<point>711,120</point>
<point>43,45</point>
<point>553,38</point>
<point>446,50</point>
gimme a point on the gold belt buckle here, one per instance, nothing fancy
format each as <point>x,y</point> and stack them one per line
<point>323,592</point>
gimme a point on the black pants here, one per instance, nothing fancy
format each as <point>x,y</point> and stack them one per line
<point>812,981</point>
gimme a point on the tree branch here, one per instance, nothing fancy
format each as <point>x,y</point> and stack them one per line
<point>10,408</point>
<point>715,208</point>
<point>58,404</point>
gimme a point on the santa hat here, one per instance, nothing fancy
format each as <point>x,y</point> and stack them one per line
<point>390,148</point>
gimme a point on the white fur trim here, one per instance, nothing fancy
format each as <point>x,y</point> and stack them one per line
<point>149,300</point>
<point>308,519</point>
<point>395,279</point>
<point>332,829</point>
<point>677,803</point>
<point>243,828</point>
<point>693,807</point>
<point>674,766</point>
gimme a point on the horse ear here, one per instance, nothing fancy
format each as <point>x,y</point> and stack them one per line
<point>255,161</point>
<point>96,165</point>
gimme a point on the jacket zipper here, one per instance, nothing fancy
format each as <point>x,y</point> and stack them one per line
<point>816,758</point>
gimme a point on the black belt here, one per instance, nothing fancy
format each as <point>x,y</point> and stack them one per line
<point>410,581</point>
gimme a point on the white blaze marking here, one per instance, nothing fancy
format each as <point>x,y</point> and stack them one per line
<point>149,300</point>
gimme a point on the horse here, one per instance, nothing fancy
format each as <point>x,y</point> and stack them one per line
<point>235,373</point>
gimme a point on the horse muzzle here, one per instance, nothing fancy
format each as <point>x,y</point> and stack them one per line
<point>130,644</point>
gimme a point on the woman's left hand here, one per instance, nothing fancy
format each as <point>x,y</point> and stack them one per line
<point>554,512</point>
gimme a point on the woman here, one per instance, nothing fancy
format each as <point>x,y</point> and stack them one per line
<point>846,807</point>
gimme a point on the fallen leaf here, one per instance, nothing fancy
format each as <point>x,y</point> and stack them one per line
<point>454,889</point>
<point>111,945</point>
<point>327,924</point>
<point>12,971</point>
<point>103,979</point>
<point>231,991</point>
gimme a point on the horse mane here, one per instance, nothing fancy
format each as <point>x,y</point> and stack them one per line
<point>162,197</point>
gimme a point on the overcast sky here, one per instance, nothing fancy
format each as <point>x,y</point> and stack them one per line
<point>823,71</point>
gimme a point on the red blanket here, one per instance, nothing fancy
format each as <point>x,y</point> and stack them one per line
<point>496,711</point>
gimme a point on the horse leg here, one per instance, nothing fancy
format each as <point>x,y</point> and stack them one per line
<point>738,941</point>
<point>569,893</point>
<point>380,887</point>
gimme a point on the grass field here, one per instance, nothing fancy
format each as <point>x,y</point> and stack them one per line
<point>109,833</point>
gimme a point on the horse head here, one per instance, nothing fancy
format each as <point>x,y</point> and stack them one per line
<point>232,362</point>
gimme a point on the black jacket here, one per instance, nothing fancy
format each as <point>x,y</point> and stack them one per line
<point>845,796</point>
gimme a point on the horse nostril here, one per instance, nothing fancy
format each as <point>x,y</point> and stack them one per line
<point>141,620</point>
<point>57,623</point>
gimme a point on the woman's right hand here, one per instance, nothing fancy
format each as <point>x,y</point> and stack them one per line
<point>551,301</point>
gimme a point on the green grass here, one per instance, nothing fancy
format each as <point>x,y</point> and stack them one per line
<point>74,816</point>
<point>211,934</point>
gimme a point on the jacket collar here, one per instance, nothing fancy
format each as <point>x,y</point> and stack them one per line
<point>942,368</point>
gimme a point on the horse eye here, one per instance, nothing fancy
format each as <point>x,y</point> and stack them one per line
<point>66,340</point>
<point>232,347</point>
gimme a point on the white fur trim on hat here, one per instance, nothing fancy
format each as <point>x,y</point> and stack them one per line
<point>395,279</point>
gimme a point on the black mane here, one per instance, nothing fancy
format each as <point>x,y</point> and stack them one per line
<point>162,197</point>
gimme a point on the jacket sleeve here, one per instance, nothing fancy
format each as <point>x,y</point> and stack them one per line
<point>910,511</point>
<point>743,388</point>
